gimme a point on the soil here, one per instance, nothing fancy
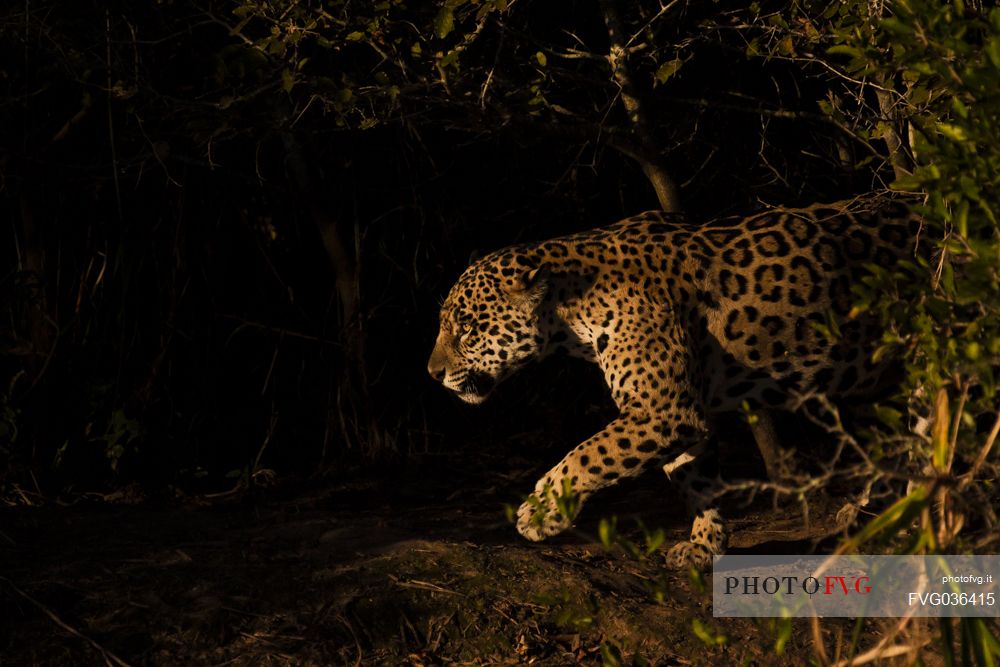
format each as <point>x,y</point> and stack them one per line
<point>418,567</point>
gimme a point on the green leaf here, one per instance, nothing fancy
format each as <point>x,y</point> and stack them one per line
<point>939,435</point>
<point>610,655</point>
<point>606,531</point>
<point>705,634</point>
<point>697,580</point>
<point>953,132</point>
<point>844,49</point>
<point>542,60</point>
<point>784,634</point>
<point>639,661</point>
<point>897,516</point>
<point>895,26</point>
<point>993,51</point>
<point>668,69</point>
<point>444,22</point>
<point>906,184</point>
<point>355,36</point>
<point>287,80</point>
<point>889,416</point>
<point>654,540</point>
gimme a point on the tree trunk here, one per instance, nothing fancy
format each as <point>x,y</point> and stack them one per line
<point>37,322</point>
<point>892,135</point>
<point>893,124</point>
<point>350,411</point>
<point>644,153</point>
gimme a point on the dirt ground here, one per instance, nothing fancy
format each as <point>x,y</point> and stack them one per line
<point>405,569</point>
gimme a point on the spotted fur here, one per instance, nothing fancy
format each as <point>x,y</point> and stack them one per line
<point>686,321</point>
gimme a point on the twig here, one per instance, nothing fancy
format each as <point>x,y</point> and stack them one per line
<point>85,106</point>
<point>357,644</point>
<point>819,651</point>
<point>878,653</point>
<point>278,330</point>
<point>156,153</point>
<point>489,76</point>
<point>424,585</point>
<point>263,446</point>
<point>111,121</point>
<point>109,657</point>
<point>234,31</point>
<point>663,10</point>
<point>955,423</point>
<point>983,453</point>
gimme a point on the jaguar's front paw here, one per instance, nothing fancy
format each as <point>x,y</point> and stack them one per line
<point>540,518</point>
<point>689,554</point>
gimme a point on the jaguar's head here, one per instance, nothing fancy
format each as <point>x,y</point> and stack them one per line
<point>489,324</point>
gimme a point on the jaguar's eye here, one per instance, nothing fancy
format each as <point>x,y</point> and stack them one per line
<point>461,328</point>
<point>464,331</point>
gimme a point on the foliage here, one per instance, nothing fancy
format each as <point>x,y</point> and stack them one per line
<point>916,83</point>
<point>929,69</point>
<point>943,58</point>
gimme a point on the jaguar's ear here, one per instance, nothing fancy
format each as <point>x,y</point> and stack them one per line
<point>526,279</point>
<point>529,286</point>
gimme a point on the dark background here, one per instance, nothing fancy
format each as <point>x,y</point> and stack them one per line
<point>171,314</point>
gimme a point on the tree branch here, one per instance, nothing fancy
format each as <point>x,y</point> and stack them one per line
<point>663,184</point>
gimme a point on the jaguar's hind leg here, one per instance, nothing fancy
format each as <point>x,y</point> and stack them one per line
<point>699,484</point>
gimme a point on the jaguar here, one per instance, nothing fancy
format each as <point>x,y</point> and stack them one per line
<point>688,322</point>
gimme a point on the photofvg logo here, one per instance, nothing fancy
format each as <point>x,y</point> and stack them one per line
<point>851,586</point>
<point>772,585</point>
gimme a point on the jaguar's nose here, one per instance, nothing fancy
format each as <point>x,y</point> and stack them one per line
<point>436,370</point>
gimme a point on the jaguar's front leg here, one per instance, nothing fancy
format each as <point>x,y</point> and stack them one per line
<point>548,511</point>
<point>626,447</point>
